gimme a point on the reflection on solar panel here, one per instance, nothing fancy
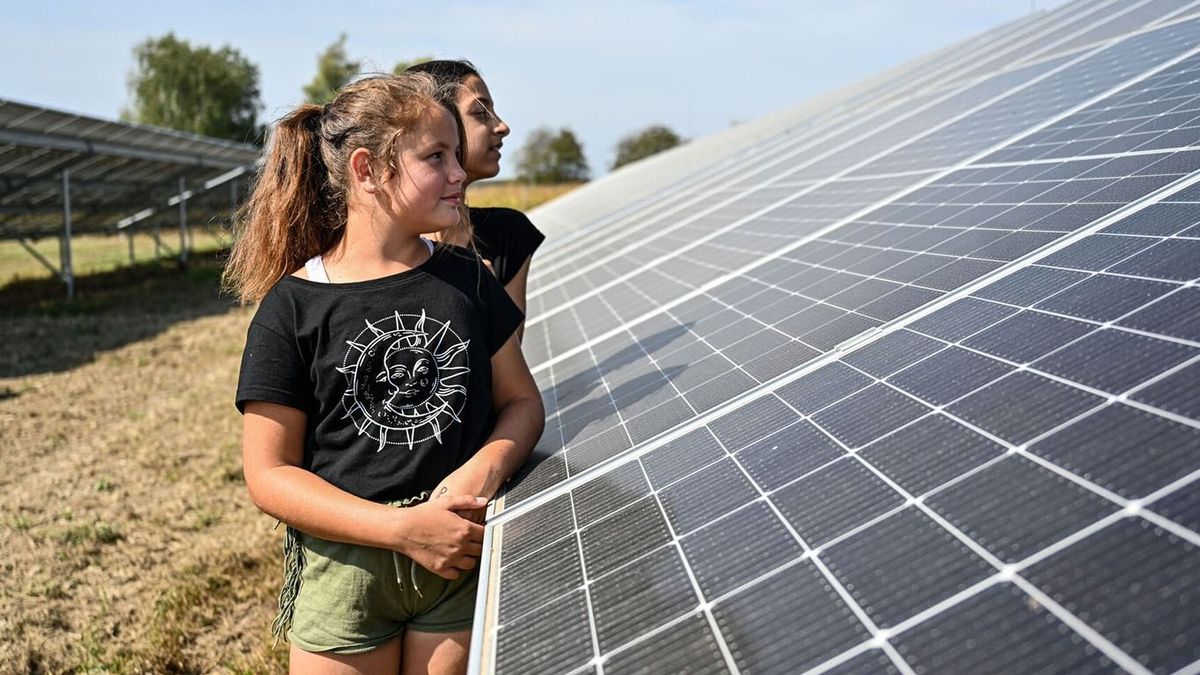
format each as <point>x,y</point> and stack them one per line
<point>911,386</point>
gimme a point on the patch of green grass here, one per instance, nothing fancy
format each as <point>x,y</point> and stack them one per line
<point>73,536</point>
<point>155,286</point>
<point>91,533</point>
<point>203,594</point>
<point>92,253</point>
<point>94,656</point>
<point>206,519</point>
<point>105,533</point>
<point>54,591</point>
<point>105,484</point>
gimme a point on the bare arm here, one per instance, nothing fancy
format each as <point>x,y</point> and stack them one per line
<point>434,535</point>
<point>520,418</point>
<point>516,291</point>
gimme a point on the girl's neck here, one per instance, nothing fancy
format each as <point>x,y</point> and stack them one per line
<point>372,250</point>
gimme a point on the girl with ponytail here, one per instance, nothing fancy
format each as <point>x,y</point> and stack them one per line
<point>384,396</point>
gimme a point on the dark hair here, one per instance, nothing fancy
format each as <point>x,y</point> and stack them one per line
<point>446,71</point>
<point>298,206</point>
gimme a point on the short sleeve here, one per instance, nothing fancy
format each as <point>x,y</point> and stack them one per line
<point>530,238</point>
<point>272,371</point>
<point>507,238</point>
<point>502,313</point>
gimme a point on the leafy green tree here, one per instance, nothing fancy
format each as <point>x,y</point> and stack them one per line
<point>402,66</point>
<point>552,157</point>
<point>207,91</point>
<point>641,144</point>
<point>334,71</point>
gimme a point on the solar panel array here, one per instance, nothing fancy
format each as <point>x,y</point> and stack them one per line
<point>116,169</point>
<point>912,386</point>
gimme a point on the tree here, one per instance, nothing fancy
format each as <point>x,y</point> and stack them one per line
<point>196,89</point>
<point>334,71</point>
<point>549,157</point>
<point>641,144</point>
<point>402,66</point>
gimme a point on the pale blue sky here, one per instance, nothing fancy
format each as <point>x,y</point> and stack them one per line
<point>601,68</point>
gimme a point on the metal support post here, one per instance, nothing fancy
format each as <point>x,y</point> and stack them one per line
<point>183,233</point>
<point>68,273</point>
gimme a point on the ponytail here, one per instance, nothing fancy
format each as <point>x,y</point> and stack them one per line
<point>293,213</point>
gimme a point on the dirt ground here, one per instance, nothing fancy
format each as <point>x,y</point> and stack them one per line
<point>129,543</point>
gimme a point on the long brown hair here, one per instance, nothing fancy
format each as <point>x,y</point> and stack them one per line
<point>298,207</point>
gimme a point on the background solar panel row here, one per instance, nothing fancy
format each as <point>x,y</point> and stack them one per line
<point>116,169</point>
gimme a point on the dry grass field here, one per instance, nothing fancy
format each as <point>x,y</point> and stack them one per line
<point>515,195</point>
<point>129,543</point>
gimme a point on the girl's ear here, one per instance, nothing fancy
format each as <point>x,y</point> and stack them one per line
<point>361,173</point>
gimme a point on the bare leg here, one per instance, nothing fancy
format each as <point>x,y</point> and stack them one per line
<point>436,653</point>
<point>383,659</point>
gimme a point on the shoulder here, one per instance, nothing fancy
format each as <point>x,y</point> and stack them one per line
<point>280,300</point>
<point>496,224</point>
<point>455,263</point>
<point>499,216</point>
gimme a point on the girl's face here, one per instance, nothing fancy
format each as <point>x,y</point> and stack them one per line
<point>485,131</point>
<point>428,181</point>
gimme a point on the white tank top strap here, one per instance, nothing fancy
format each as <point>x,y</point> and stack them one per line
<point>315,267</point>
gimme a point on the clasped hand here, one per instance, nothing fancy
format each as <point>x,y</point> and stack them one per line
<point>442,537</point>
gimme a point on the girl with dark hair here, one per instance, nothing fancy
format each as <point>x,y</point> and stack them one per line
<point>379,372</point>
<point>505,238</point>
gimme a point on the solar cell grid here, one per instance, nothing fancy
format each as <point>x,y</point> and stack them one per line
<point>860,501</point>
<point>1039,38</point>
<point>850,148</point>
<point>1126,17</point>
<point>1041,99</point>
<point>963,490</point>
<point>1119,191</point>
<point>1160,112</point>
<point>866,105</point>
<point>773,324</point>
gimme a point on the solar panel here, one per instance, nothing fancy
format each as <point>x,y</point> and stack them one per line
<point>916,393</point>
<point>115,168</point>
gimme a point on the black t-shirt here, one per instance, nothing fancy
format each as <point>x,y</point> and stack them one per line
<point>394,373</point>
<point>506,238</point>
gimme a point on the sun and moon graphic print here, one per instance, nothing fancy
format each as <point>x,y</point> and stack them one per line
<point>406,379</point>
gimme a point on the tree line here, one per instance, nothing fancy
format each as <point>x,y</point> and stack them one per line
<point>215,92</point>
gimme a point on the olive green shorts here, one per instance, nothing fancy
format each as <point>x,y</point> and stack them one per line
<point>354,598</point>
